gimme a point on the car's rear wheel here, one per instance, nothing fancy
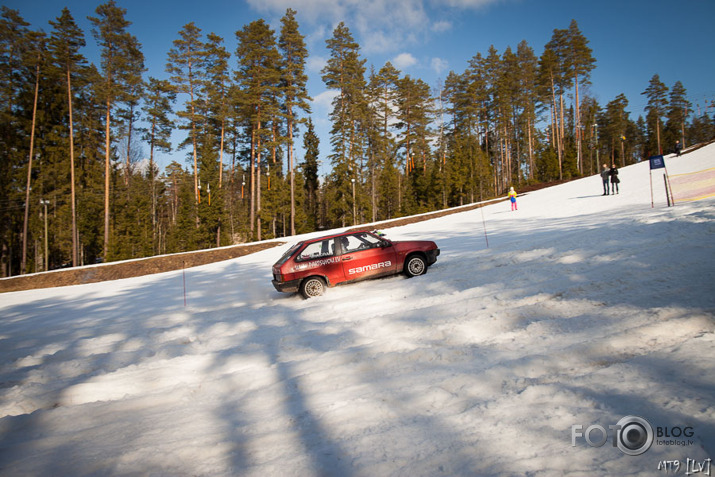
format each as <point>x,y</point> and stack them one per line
<point>415,265</point>
<point>312,287</point>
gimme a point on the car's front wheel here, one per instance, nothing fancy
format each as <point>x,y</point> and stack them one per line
<point>312,287</point>
<point>415,265</point>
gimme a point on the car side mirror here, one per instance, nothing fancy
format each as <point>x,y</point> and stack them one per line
<point>386,243</point>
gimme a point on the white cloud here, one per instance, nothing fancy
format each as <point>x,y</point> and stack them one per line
<point>441,26</point>
<point>465,4</point>
<point>404,60</point>
<point>315,64</point>
<point>439,65</point>
<point>312,10</point>
<point>323,102</point>
<point>379,26</point>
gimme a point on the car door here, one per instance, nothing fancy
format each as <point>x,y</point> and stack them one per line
<point>365,256</point>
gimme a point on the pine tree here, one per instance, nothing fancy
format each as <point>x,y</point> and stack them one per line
<point>553,76</point>
<point>526,97</point>
<point>345,73</point>
<point>506,87</point>
<point>613,126</point>
<point>311,145</point>
<point>218,85</point>
<point>702,128</point>
<point>122,65</point>
<point>160,95</point>
<point>35,55</point>
<point>382,97</point>
<point>258,77</point>
<point>90,167</point>
<point>183,235</point>
<point>414,113</point>
<point>295,93</point>
<point>23,54</point>
<point>497,97</point>
<point>678,110</point>
<point>185,63</point>
<point>65,42</point>
<point>464,94</point>
<point>218,90</point>
<point>579,64</point>
<point>590,111</point>
<point>657,94</point>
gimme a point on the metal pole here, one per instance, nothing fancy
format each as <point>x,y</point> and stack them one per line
<point>354,209</point>
<point>47,255</point>
<point>650,172</point>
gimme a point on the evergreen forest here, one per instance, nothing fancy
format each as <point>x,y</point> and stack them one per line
<point>79,183</point>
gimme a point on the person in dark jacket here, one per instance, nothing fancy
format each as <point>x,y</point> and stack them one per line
<point>678,148</point>
<point>613,173</point>
<point>605,176</point>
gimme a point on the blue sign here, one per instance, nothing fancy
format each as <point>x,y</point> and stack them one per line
<point>656,162</point>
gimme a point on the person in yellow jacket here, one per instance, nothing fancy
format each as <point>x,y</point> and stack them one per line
<point>512,198</point>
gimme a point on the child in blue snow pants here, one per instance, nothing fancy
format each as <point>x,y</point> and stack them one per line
<point>512,198</point>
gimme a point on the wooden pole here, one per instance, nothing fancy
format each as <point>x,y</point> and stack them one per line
<point>650,172</point>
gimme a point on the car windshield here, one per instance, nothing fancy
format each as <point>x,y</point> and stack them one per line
<point>360,241</point>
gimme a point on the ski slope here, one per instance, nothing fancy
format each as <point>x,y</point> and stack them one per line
<point>581,310</point>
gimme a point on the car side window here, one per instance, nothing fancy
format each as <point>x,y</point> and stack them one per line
<point>316,250</point>
<point>359,241</point>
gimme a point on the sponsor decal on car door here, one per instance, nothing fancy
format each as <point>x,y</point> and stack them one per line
<point>363,258</point>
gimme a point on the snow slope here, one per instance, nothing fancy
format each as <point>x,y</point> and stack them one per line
<point>581,310</point>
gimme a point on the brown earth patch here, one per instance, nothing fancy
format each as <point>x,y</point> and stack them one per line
<point>128,269</point>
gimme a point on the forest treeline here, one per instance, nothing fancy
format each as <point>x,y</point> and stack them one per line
<point>79,183</point>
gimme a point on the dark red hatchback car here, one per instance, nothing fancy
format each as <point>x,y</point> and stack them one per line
<point>310,266</point>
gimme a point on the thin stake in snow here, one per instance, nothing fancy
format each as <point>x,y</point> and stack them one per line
<point>484,224</point>
<point>183,276</point>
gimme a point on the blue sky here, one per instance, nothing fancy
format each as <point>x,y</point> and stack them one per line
<point>631,39</point>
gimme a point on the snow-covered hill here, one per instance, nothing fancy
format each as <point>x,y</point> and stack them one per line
<point>582,309</point>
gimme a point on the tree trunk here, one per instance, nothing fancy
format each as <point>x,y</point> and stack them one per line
<point>657,130</point>
<point>531,150</point>
<point>75,257</point>
<point>579,166</point>
<point>292,174</point>
<point>557,137</point>
<point>220,156</point>
<point>23,265</point>
<point>562,137</point>
<point>252,214</point>
<point>107,173</point>
<point>258,187</point>
<point>153,189</point>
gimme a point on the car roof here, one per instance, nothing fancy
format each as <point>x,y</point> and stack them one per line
<point>341,234</point>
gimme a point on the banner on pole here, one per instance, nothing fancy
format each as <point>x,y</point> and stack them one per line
<point>656,162</point>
